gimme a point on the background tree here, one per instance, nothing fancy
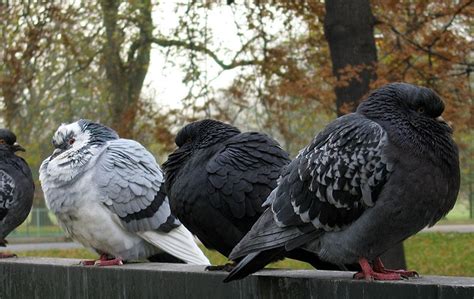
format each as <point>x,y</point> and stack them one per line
<point>349,31</point>
<point>125,76</point>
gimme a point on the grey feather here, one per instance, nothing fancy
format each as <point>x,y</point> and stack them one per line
<point>137,179</point>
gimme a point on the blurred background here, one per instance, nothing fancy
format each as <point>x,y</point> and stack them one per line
<point>287,68</point>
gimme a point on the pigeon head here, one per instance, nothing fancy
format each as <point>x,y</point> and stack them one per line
<point>415,102</point>
<point>419,100</point>
<point>7,138</point>
<point>79,135</point>
<point>204,133</point>
<point>412,117</point>
<point>196,135</point>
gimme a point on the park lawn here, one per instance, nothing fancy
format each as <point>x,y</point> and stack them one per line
<point>459,214</point>
<point>449,254</point>
<point>39,231</point>
<point>441,253</point>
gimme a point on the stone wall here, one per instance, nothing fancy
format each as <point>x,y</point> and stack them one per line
<point>64,278</point>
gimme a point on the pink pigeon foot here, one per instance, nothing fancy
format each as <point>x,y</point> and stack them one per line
<point>104,260</point>
<point>379,267</point>
<point>112,262</point>
<point>368,273</point>
<point>6,255</point>
<point>87,263</point>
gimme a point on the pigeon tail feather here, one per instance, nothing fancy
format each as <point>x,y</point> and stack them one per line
<point>253,262</point>
<point>266,234</point>
<point>179,242</point>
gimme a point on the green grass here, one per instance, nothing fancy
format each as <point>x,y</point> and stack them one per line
<point>39,231</point>
<point>76,253</point>
<point>455,221</point>
<point>449,254</point>
<point>459,213</point>
<point>441,253</point>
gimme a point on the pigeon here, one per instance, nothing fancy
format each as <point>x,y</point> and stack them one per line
<point>368,181</point>
<point>217,181</point>
<point>16,187</point>
<point>108,195</point>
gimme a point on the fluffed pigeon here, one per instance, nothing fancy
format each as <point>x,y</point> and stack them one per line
<point>368,181</point>
<point>217,181</point>
<point>107,194</point>
<point>16,187</point>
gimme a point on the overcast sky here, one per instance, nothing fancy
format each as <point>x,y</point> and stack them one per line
<point>165,83</point>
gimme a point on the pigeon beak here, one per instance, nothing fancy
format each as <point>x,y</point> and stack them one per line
<point>17,147</point>
<point>441,120</point>
<point>55,153</point>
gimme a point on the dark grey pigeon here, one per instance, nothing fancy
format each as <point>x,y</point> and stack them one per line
<point>16,187</point>
<point>217,181</point>
<point>368,181</point>
<point>107,195</point>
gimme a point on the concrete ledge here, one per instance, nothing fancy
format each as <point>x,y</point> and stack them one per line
<point>64,278</point>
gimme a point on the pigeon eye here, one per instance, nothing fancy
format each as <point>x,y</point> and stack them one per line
<point>420,110</point>
<point>71,141</point>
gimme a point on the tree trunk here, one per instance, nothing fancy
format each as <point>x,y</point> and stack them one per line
<point>349,30</point>
<point>125,77</point>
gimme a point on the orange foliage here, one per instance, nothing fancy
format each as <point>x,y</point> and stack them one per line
<point>420,42</point>
<point>429,44</point>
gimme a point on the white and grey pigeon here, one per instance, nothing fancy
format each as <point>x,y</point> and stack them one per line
<point>16,187</point>
<point>368,181</point>
<point>107,194</point>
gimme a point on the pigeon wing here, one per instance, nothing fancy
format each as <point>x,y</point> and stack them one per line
<point>243,172</point>
<point>325,188</point>
<point>130,184</point>
<point>338,176</point>
<point>7,196</point>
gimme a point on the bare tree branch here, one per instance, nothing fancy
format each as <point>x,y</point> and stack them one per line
<point>447,25</point>
<point>424,49</point>
<point>202,49</point>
